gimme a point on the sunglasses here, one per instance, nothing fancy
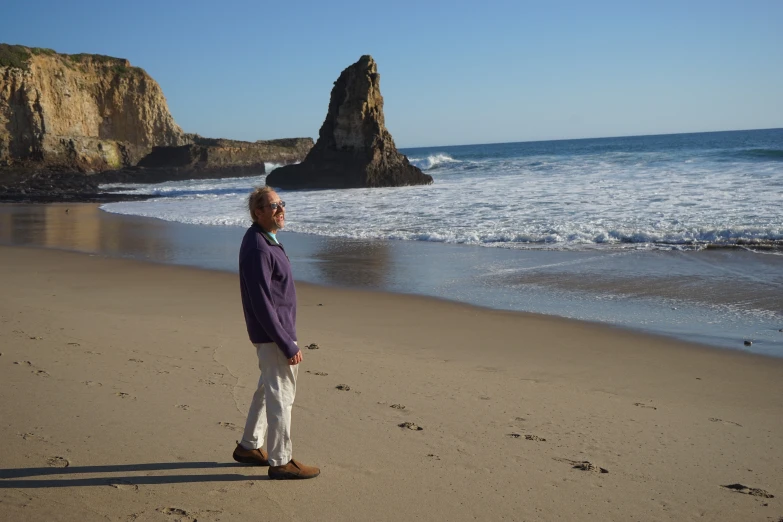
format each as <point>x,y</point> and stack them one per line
<point>275,205</point>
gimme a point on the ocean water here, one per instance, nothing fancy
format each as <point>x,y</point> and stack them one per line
<point>679,235</point>
<point>685,191</point>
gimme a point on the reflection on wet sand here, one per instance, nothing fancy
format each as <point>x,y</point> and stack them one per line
<point>73,227</point>
<point>354,263</point>
<point>86,228</point>
<point>706,278</point>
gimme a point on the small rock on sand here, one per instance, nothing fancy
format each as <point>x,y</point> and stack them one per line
<point>588,466</point>
<point>755,492</point>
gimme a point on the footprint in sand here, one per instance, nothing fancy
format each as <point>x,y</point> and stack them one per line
<point>312,346</point>
<point>58,462</point>
<point>643,405</point>
<point>123,485</point>
<point>136,360</point>
<point>318,373</point>
<point>183,407</point>
<point>410,426</point>
<point>433,456</point>
<point>74,344</point>
<point>584,465</point>
<point>230,426</point>
<point>123,395</point>
<point>183,516</point>
<point>713,419</point>
<point>755,492</point>
<point>23,363</point>
<point>92,383</point>
<point>343,387</point>
<point>41,373</point>
<point>397,406</point>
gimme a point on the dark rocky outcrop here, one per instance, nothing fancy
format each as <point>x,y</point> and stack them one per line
<point>354,149</point>
<point>210,158</point>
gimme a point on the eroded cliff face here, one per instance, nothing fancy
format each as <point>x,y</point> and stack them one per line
<point>87,112</point>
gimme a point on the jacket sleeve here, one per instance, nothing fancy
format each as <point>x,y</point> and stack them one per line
<point>257,274</point>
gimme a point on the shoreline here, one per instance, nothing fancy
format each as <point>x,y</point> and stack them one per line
<point>154,359</point>
<point>645,291</point>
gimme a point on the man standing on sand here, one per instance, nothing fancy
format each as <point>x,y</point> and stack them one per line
<point>269,302</point>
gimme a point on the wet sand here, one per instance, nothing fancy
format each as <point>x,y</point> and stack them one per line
<point>125,385</point>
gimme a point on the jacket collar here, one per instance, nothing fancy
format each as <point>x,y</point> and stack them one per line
<point>265,235</point>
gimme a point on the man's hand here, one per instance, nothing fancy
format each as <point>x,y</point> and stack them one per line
<point>296,359</point>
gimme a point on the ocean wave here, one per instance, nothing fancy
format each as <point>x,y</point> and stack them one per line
<point>560,237</point>
<point>432,161</point>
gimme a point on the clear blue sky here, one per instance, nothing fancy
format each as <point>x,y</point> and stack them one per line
<point>451,72</point>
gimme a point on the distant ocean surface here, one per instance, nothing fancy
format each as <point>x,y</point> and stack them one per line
<point>680,191</point>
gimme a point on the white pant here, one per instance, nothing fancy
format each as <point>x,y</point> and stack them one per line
<point>270,411</point>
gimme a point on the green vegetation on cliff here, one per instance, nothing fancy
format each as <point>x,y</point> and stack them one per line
<point>14,56</point>
<point>18,57</point>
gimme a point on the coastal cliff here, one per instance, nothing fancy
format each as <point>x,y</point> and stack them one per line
<point>71,122</point>
<point>79,112</point>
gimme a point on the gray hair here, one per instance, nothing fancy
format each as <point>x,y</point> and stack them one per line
<point>255,198</point>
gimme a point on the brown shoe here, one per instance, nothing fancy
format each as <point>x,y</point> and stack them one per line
<point>293,470</point>
<point>256,457</point>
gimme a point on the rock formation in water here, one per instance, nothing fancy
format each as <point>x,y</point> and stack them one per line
<point>354,149</point>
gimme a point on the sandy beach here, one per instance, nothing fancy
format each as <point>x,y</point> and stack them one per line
<point>137,377</point>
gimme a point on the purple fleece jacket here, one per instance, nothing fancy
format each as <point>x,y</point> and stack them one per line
<point>268,293</point>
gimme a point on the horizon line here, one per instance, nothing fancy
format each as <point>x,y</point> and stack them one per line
<point>592,138</point>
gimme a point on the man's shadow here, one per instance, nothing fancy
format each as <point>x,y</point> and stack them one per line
<point>128,480</point>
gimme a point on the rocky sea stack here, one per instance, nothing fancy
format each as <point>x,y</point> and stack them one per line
<point>354,149</point>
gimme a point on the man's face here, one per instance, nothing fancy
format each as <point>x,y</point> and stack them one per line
<point>271,219</point>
